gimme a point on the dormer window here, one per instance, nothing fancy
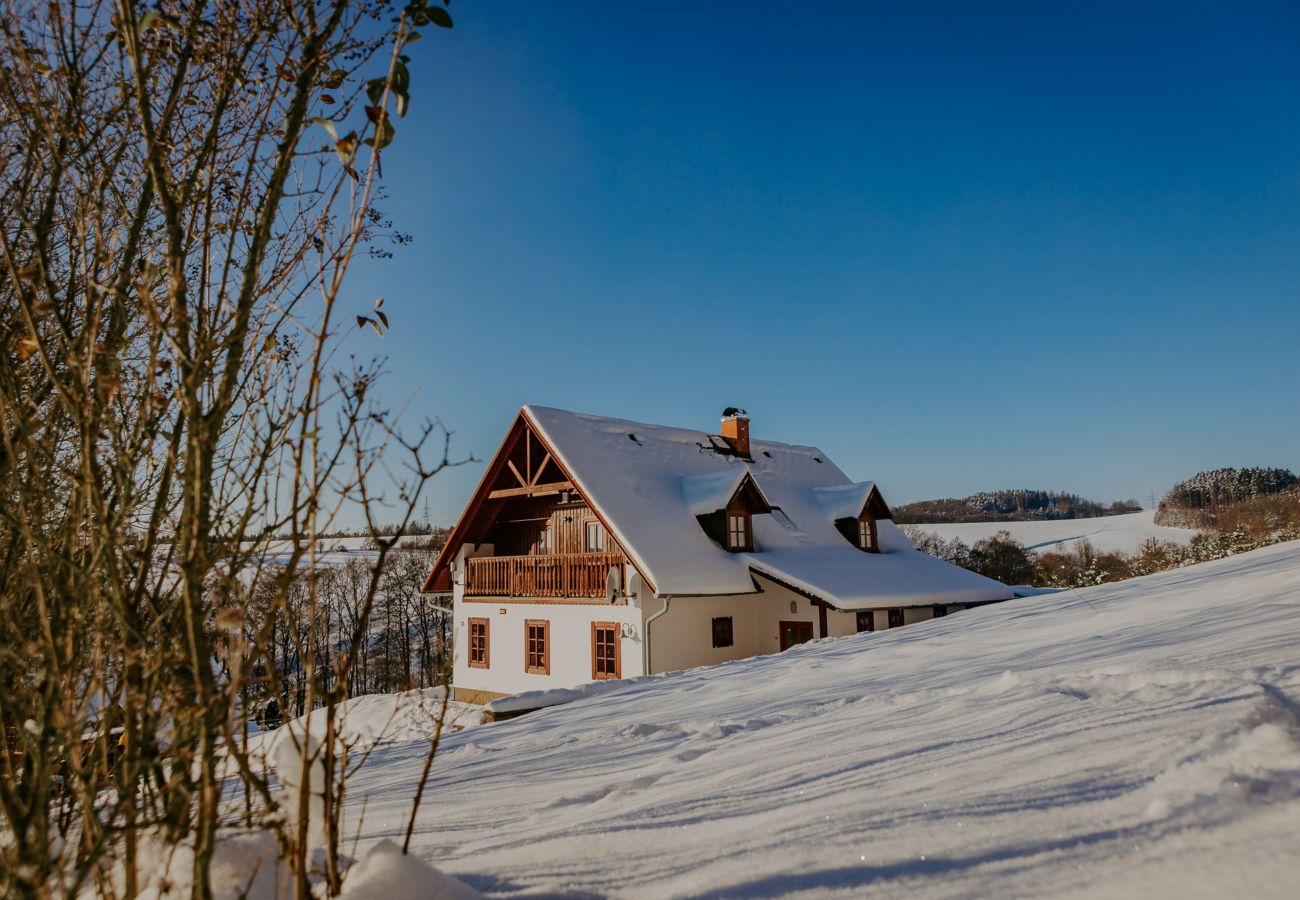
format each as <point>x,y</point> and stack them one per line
<point>867,535</point>
<point>738,528</point>
<point>725,503</point>
<point>859,530</point>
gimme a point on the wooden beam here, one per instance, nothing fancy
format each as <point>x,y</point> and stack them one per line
<point>522,480</point>
<point>538,473</point>
<point>532,490</point>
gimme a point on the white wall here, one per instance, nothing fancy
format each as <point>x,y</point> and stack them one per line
<point>683,639</point>
<point>570,633</point>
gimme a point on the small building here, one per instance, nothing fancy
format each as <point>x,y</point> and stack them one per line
<point>600,548</point>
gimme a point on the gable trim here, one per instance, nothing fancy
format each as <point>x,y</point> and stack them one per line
<point>459,536</point>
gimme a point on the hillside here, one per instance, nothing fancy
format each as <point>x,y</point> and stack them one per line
<point>1135,739</point>
<point>1009,506</point>
<point>1107,534</point>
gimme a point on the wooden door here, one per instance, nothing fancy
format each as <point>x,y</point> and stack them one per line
<point>795,633</point>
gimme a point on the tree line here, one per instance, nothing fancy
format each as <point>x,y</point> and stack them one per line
<point>1247,524</point>
<point>1010,506</point>
<point>403,640</point>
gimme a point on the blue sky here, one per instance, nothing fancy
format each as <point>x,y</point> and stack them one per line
<point>957,246</point>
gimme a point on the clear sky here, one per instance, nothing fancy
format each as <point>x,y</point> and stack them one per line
<point>959,247</point>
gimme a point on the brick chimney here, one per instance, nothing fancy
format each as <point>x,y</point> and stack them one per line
<point>735,429</point>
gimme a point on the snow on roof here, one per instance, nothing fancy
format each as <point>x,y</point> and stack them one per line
<point>844,501</point>
<point>648,482</point>
<point>712,491</point>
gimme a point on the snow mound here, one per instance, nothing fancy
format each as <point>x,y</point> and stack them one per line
<point>378,719</point>
<point>245,867</point>
<point>387,874</point>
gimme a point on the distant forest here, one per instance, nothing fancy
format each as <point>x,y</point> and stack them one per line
<point>1010,506</point>
<point>1203,500</point>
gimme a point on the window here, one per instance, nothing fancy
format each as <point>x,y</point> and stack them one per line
<point>737,531</point>
<point>722,636</point>
<point>478,643</point>
<point>895,618</point>
<point>537,646</point>
<point>544,542</point>
<point>940,610</point>
<point>605,661</point>
<point>867,535</point>
<point>866,620</point>
<point>595,542</point>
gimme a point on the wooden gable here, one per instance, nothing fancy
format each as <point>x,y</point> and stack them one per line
<point>524,494</point>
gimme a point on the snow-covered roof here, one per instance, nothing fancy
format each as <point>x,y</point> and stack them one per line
<point>649,482</point>
<point>711,491</point>
<point>844,501</point>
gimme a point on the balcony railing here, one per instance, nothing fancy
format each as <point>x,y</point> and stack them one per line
<point>568,575</point>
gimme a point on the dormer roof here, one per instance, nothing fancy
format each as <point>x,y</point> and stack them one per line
<point>852,501</point>
<point>711,491</point>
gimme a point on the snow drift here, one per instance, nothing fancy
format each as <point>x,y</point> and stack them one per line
<point>1129,739</point>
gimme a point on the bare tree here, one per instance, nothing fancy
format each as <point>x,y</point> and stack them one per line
<point>185,188</point>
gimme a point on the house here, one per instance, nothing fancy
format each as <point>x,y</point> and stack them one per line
<point>600,548</point>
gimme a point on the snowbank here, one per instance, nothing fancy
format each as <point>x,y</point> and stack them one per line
<point>379,718</point>
<point>530,700</point>
<point>245,867</point>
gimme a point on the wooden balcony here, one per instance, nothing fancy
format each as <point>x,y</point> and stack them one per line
<point>556,575</point>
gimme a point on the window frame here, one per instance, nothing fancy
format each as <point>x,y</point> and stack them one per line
<point>544,665</point>
<point>593,528</point>
<point>596,673</point>
<point>868,537</point>
<point>486,624</point>
<point>546,542</point>
<point>730,628</point>
<point>746,531</point>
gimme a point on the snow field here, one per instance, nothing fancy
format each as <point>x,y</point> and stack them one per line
<point>1129,739</point>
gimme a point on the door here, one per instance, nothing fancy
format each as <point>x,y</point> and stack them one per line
<point>795,633</point>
